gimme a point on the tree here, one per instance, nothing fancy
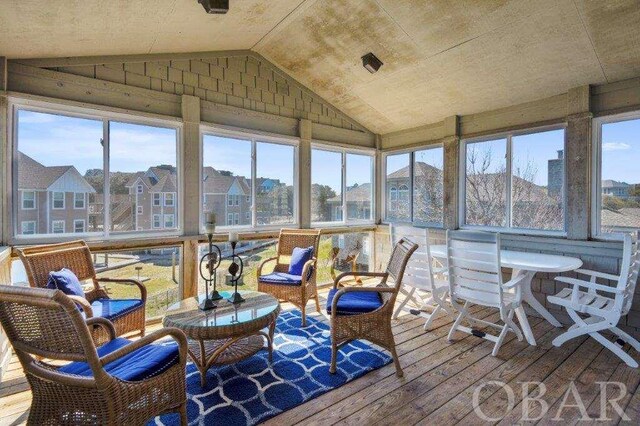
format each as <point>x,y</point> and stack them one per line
<point>320,209</point>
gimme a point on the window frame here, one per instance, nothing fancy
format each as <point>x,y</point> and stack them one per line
<point>84,201</point>
<point>84,226</point>
<point>58,221</point>
<point>173,220</point>
<point>27,222</point>
<point>22,200</point>
<point>139,210</point>
<point>153,221</point>
<point>462,179</point>
<point>344,151</point>
<point>254,137</point>
<point>411,151</point>
<point>53,200</point>
<point>596,172</point>
<point>106,116</point>
<point>139,188</point>
<point>173,199</point>
<point>156,196</point>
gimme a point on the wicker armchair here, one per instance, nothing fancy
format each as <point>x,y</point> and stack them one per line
<point>121,382</point>
<point>39,261</point>
<point>300,292</point>
<point>365,312</point>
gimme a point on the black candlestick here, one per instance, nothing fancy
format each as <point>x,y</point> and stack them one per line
<point>212,261</point>
<point>235,269</point>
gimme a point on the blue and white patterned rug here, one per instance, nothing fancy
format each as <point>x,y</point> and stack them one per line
<point>251,391</point>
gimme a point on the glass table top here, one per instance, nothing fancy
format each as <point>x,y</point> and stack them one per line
<point>187,314</point>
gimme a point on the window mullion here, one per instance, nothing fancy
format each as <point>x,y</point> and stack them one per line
<point>509,183</point>
<point>106,210</point>
<point>344,187</point>
<point>411,184</point>
<point>254,197</point>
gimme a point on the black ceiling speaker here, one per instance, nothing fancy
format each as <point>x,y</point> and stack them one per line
<point>371,62</point>
<point>215,6</point>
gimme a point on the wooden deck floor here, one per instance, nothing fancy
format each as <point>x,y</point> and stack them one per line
<point>443,378</point>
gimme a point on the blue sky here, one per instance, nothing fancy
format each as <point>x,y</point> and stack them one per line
<point>56,140</point>
<point>621,151</point>
<point>326,169</point>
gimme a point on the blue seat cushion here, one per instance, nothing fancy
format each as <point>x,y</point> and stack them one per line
<point>299,257</point>
<point>66,281</point>
<point>281,278</point>
<point>143,363</point>
<point>355,302</point>
<point>114,308</point>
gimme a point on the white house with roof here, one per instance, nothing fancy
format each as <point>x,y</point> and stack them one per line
<point>52,199</point>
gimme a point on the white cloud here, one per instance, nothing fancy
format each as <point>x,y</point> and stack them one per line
<point>615,146</point>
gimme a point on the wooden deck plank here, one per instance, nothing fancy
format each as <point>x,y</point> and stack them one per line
<point>461,405</point>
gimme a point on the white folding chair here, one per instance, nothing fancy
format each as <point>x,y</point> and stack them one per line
<point>420,277</point>
<point>602,306</point>
<point>475,278</point>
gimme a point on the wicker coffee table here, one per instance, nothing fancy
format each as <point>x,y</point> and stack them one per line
<point>228,333</point>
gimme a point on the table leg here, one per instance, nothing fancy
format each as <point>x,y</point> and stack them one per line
<point>528,297</point>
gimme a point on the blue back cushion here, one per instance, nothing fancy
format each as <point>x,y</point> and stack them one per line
<point>66,281</point>
<point>299,257</point>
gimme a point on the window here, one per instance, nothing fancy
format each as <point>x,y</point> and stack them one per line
<point>66,149</point>
<point>414,186</point>
<point>616,176</point>
<point>169,199</point>
<point>274,178</point>
<point>140,210</point>
<point>341,181</point>
<point>249,168</point>
<point>28,200</point>
<point>168,221</point>
<point>359,187</point>
<point>157,199</point>
<point>79,200</point>
<point>398,173</point>
<point>428,186</point>
<point>58,200</point>
<point>516,181</point>
<point>57,226</point>
<point>156,221</point>
<point>78,225</point>
<point>156,168</point>
<point>28,227</point>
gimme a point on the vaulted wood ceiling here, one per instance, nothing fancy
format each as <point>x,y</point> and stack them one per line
<point>440,57</point>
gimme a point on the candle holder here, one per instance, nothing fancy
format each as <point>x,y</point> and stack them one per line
<point>211,261</point>
<point>235,269</point>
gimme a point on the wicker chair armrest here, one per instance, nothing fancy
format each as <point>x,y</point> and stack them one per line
<point>105,324</point>
<point>382,275</point>
<point>175,333</point>
<point>345,290</point>
<point>127,281</point>
<point>305,269</point>
<point>84,303</point>
<point>264,262</point>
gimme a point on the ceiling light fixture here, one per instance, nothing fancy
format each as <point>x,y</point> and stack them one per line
<point>371,62</point>
<point>215,6</point>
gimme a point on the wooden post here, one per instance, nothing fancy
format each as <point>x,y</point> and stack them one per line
<point>5,229</point>
<point>577,163</point>
<point>304,174</point>
<point>379,182</point>
<point>450,173</point>
<point>191,199</point>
